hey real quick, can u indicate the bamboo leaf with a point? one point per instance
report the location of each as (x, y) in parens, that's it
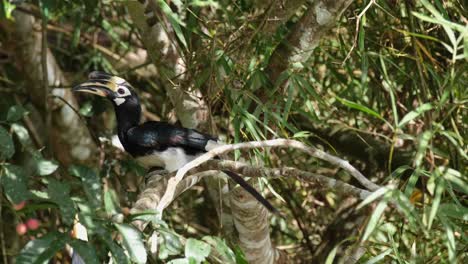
(415, 113)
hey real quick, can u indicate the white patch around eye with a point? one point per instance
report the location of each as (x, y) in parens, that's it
(119, 100)
(125, 93)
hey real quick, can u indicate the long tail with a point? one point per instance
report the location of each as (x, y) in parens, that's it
(239, 180)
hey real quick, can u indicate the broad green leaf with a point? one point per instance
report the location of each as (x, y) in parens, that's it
(133, 242)
(197, 250)
(85, 250)
(415, 113)
(91, 183)
(46, 167)
(118, 254)
(23, 135)
(7, 148)
(15, 113)
(53, 248)
(222, 248)
(172, 243)
(59, 194)
(374, 219)
(34, 249)
(14, 181)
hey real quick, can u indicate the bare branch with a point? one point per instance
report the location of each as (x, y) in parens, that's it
(282, 143)
(158, 180)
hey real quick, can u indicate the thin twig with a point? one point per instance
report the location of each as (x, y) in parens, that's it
(282, 143)
(358, 22)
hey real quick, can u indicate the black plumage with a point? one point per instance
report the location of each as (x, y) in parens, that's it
(154, 144)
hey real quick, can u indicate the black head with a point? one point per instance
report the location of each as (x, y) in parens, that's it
(114, 88)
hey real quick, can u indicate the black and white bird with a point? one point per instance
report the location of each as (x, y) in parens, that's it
(154, 144)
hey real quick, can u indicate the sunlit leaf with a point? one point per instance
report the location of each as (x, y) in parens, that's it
(133, 242)
(46, 167)
(374, 196)
(14, 180)
(374, 219)
(379, 257)
(222, 248)
(34, 249)
(15, 113)
(415, 113)
(59, 193)
(197, 249)
(360, 107)
(91, 183)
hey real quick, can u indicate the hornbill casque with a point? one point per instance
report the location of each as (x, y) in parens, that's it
(155, 144)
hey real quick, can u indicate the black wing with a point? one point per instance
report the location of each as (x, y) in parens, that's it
(161, 135)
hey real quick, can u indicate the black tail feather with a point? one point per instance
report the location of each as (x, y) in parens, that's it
(239, 180)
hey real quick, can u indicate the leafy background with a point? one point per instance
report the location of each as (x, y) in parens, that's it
(385, 89)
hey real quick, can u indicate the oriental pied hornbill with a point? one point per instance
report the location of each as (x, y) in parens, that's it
(154, 144)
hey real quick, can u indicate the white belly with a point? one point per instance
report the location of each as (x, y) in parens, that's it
(171, 159)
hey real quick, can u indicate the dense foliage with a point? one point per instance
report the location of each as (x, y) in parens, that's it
(385, 88)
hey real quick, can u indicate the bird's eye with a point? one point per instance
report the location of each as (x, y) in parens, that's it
(121, 91)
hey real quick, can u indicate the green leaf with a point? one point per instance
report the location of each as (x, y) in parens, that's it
(118, 254)
(374, 196)
(379, 258)
(133, 243)
(53, 248)
(440, 188)
(15, 113)
(374, 219)
(7, 9)
(7, 148)
(91, 183)
(46, 167)
(34, 249)
(175, 21)
(423, 144)
(86, 109)
(85, 250)
(415, 113)
(222, 248)
(361, 108)
(179, 261)
(197, 250)
(111, 202)
(14, 183)
(454, 211)
(171, 241)
(23, 135)
(59, 194)
(240, 256)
